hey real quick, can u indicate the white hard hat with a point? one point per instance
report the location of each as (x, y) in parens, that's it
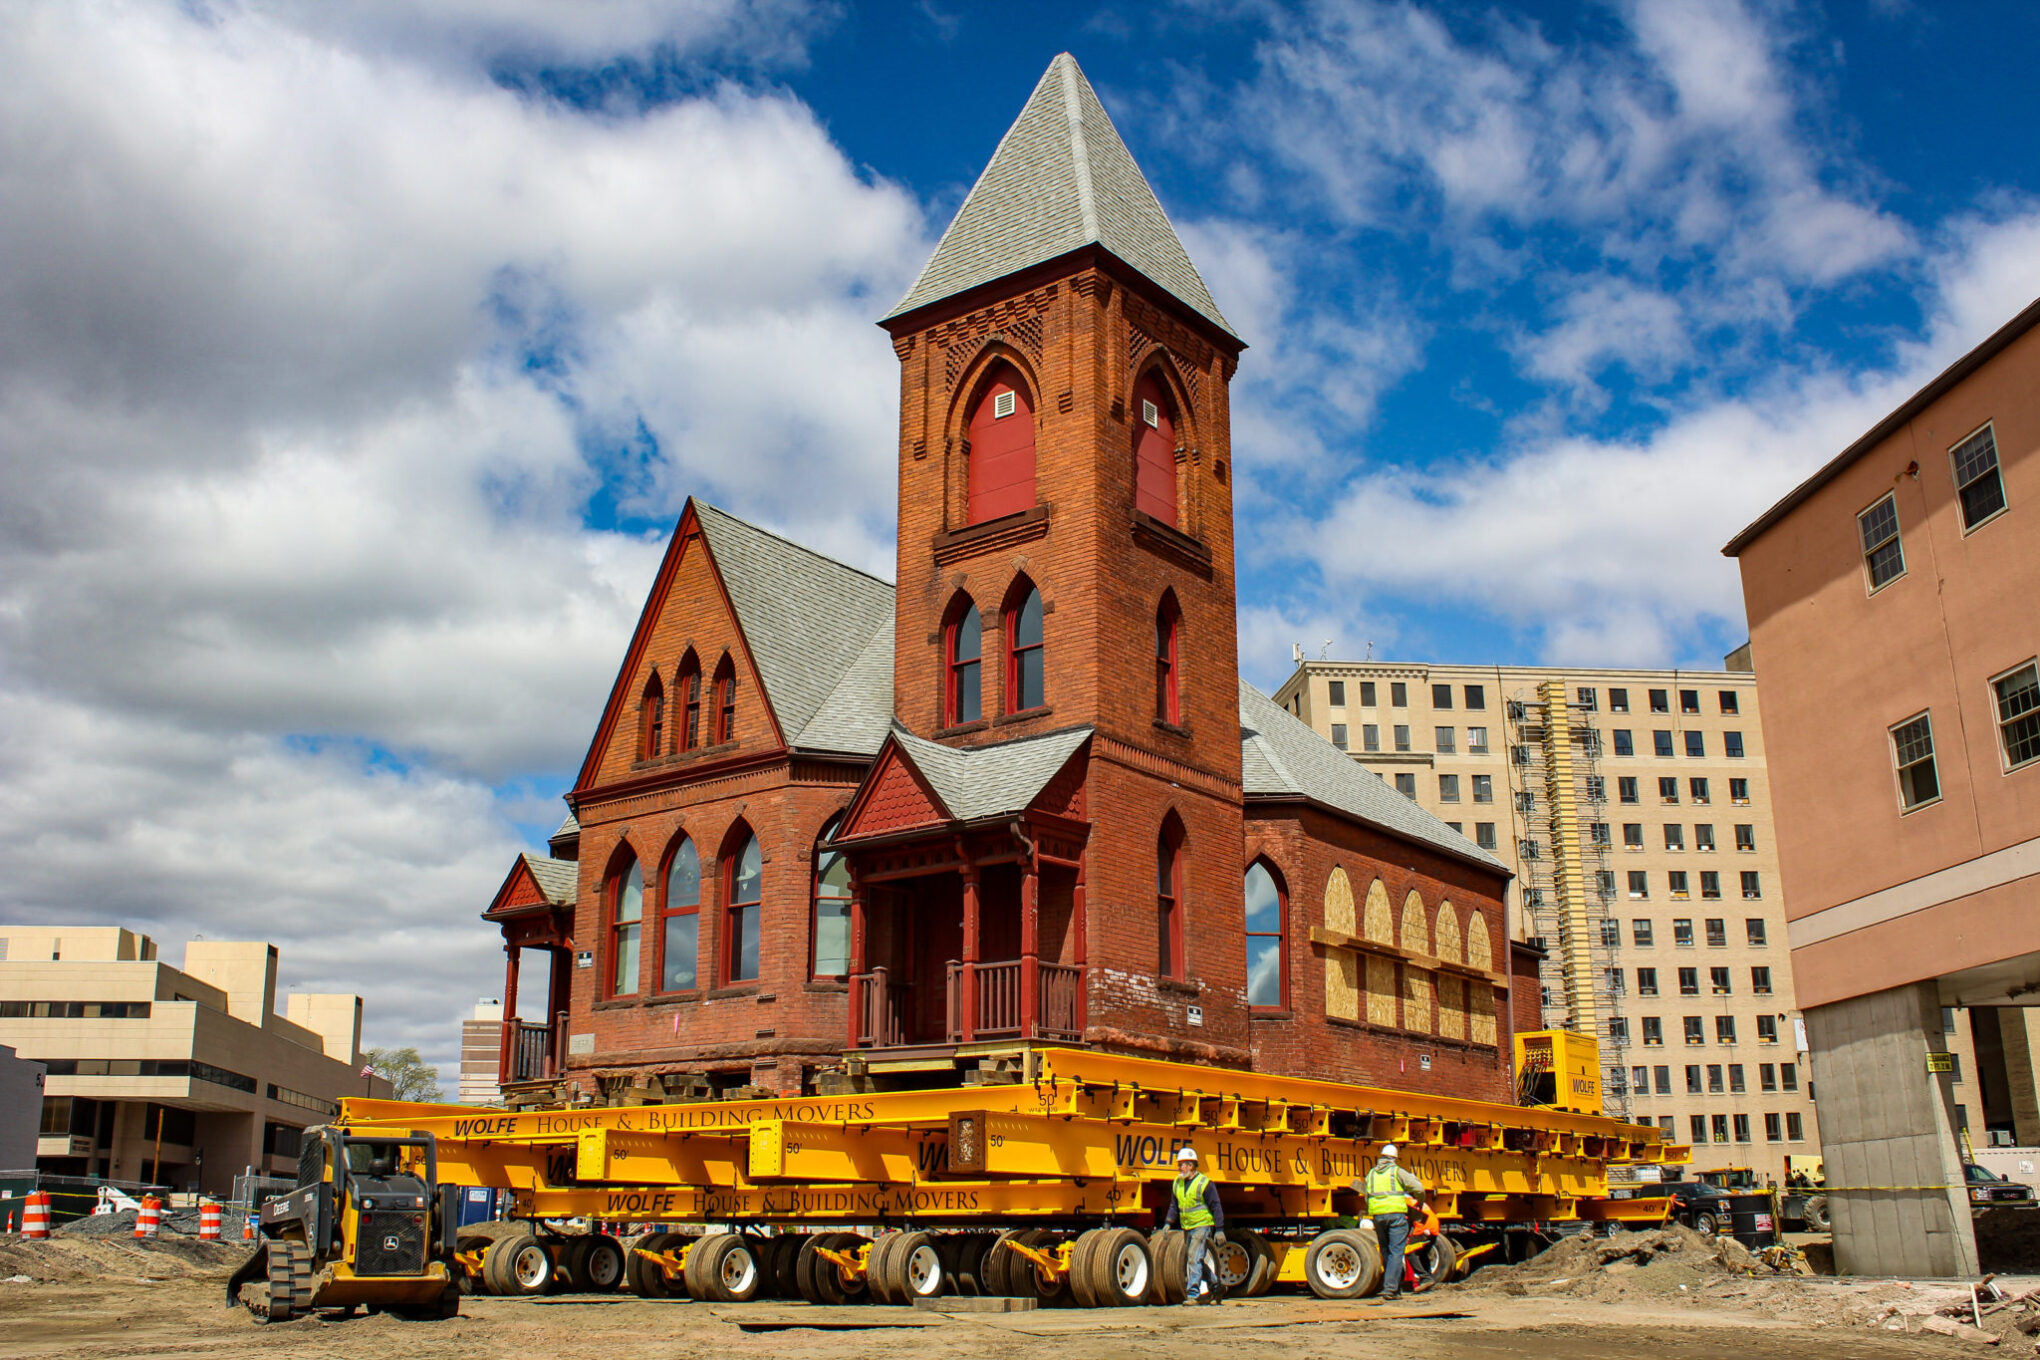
(1186, 1154)
(1388, 1151)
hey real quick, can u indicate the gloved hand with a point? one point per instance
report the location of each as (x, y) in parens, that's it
(1218, 1238)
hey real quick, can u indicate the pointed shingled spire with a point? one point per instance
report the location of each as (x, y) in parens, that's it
(1061, 179)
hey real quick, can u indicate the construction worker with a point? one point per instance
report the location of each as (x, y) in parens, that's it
(1391, 1193)
(1194, 1207)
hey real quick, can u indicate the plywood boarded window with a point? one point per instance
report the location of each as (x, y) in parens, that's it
(1446, 933)
(1451, 1006)
(1342, 966)
(1379, 924)
(1380, 990)
(1416, 999)
(1480, 996)
(1479, 953)
(1416, 929)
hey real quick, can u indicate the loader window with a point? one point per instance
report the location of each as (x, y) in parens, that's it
(311, 1164)
(375, 1160)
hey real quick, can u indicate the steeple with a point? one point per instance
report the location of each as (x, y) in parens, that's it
(1061, 179)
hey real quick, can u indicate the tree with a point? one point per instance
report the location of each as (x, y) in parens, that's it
(405, 1071)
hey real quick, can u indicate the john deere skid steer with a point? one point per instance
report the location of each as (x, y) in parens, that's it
(368, 1225)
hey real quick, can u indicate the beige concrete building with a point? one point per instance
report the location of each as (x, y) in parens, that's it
(481, 1053)
(1635, 809)
(1891, 608)
(176, 1076)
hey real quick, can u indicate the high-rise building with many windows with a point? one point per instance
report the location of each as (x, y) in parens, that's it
(1634, 810)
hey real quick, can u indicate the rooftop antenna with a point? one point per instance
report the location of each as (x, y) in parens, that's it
(1325, 650)
(1370, 652)
(1296, 652)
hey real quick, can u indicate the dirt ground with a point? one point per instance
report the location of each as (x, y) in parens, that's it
(108, 1298)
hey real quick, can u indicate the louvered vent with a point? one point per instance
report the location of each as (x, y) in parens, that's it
(1002, 405)
(1151, 413)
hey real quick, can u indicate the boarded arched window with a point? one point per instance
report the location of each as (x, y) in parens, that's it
(652, 719)
(1417, 980)
(963, 645)
(1416, 927)
(1154, 450)
(1342, 966)
(1480, 996)
(680, 921)
(1026, 662)
(1168, 622)
(1267, 969)
(1446, 933)
(1001, 431)
(689, 688)
(725, 700)
(1378, 924)
(1451, 987)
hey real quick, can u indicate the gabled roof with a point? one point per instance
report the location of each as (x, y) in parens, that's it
(1061, 179)
(975, 782)
(808, 620)
(558, 879)
(858, 711)
(1281, 757)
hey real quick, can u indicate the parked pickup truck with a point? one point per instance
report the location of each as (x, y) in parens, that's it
(1988, 1190)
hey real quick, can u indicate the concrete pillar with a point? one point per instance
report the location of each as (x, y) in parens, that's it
(2020, 1029)
(1888, 1134)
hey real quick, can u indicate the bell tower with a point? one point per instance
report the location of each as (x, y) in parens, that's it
(1066, 529)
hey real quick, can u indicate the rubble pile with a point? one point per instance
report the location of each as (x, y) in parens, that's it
(2008, 1240)
(174, 1223)
(71, 1257)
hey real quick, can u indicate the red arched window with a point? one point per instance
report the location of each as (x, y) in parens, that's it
(1025, 666)
(1001, 447)
(1168, 622)
(1267, 963)
(725, 700)
(963, 646)
(1154, 450)
(690, 701)
(1169, 898)
(832, 910)
(680, 921)
(626, 924)
(652, 719)
(743, 890)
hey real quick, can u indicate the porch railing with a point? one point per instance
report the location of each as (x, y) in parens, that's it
(881, 1009)
(1001, 1001)
(1062, 1002)
(530, 1051)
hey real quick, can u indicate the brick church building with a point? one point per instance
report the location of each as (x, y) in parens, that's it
(834, 833)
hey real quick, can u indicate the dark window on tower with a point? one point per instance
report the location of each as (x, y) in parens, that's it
(1024, 663)
(652, 720)
(1476, 697)
(725, 700)
(1335, 693)
(1441, 696)
(1169, 899)
(1978, 483)
(690, 699)
(1168, 703)
(964, 643)
(1154, 450)
(1002, 447)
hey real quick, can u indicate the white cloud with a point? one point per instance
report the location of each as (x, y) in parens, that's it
(315, 346)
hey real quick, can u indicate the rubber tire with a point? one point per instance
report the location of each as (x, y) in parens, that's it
(1252, 1264)
(602, 1267)
(1261, 1279)
(1435, 1267)
(501, 1267)
(645, 1279)
(1166, 1247)
(821, 1282)
(782, 1258)
(1364, 1283)
(1817, 1219)
(1706, 1223)
(471, 1283)
(1113, 1253)
(925, 1246)
(715, 1259)
(992, 1273)
(878, 1269)
(1080, 1267)
(1022, 1280)
(573, 1265)
(964, 1261)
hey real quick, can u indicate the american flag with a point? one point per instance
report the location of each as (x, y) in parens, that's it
(367, 1071)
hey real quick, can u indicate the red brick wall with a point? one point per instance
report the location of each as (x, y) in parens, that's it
(1305, 845)
(1526, 990)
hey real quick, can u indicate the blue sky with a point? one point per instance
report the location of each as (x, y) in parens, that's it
(355, 360)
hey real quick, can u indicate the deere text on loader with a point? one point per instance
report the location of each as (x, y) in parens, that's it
(367, 1224)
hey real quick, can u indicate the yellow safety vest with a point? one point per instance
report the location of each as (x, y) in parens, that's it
(1385, 1194)
(1191, 1211)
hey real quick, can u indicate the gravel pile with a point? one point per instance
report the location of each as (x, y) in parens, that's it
(174, 1223)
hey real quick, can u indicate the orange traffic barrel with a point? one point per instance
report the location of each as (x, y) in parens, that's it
(208, 1222)
(248, 1228)
(149, 1216)
(35, 1215)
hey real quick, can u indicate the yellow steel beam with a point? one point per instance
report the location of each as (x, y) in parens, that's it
(958, 1201)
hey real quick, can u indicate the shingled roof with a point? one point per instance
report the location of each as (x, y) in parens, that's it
(820, 633)
(987, 781)
(1281, 757)
(558, 879)
(1061, 179)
